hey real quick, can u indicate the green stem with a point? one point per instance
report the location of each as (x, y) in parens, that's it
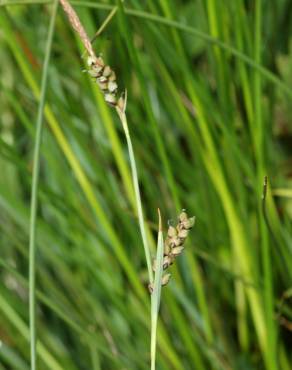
(104, 24)
(34, 192)
(123, 119)
(156, 294)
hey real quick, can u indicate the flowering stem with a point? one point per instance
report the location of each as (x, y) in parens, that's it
(123, 119)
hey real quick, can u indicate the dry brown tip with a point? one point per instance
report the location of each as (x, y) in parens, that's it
(159, 220)
(76, 24)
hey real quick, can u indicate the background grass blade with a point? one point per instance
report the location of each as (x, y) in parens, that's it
(34, 192)
(156, 294)
(209, 114)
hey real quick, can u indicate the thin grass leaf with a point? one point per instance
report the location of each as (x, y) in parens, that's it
(285, 193)
(34, 192)
(156, 294)
(9, 312)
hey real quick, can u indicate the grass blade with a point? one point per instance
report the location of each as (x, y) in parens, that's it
(12, 316)
(34, 192)
(155, 297)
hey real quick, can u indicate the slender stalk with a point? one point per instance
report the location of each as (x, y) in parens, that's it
(155, 296)
(123, 119)
(34, 193)
(104, 24)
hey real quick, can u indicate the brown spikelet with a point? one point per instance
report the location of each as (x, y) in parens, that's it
(76, 24)
(173, 245)
(101, 73)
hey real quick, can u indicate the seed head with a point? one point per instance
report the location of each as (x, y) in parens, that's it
(174, 243)
(96, 65)
(105, 78)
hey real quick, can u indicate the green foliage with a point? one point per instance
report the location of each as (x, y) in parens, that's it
(209, 112)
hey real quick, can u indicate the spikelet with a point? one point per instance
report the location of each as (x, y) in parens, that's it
(105, 78)
(98, 70)
(176, 237)
(174, 244)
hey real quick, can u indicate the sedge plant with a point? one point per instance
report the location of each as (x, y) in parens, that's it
(166, 253)
(222, 128)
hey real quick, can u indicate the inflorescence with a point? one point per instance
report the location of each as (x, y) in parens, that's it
(105, 77)
(174, 244)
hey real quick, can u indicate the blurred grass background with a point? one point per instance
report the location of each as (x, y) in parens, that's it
(209, 109)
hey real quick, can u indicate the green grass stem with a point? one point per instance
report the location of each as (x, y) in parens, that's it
(155, 296)
(147, 252)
